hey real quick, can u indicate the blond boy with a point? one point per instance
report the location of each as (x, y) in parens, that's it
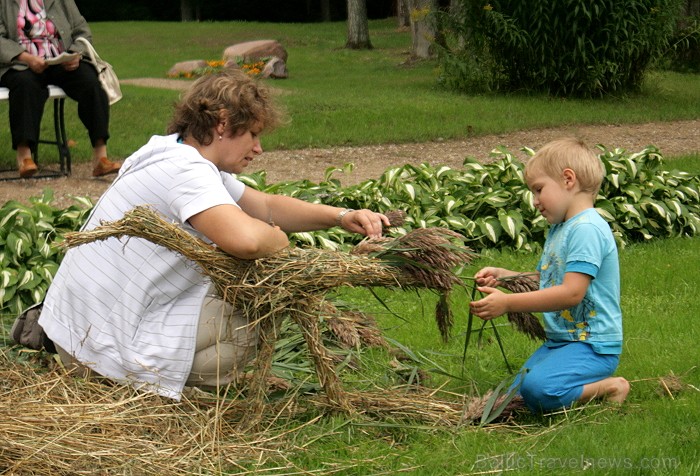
(579, 293)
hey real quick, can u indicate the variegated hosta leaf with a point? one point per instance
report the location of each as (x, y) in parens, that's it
(456, 223)
(305, 237)
(8, 277)
(38, 294)
(18, 243)
(327, 243)
(410, 190)
(442, 171)
(249, 181)
(691, 191)
(9, 217)
(386, 202)
(631, 209)
(47, 270)
(28, 279)
(491, 228)
(658, 208)
(507, 223)
(450, 203)
(631, 167)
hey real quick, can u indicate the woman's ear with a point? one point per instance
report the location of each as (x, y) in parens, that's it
(221, 126)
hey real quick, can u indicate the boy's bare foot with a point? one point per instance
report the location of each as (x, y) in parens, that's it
(619, 388)
(612, 389)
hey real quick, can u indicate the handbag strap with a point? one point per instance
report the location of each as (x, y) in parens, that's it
(94, 57)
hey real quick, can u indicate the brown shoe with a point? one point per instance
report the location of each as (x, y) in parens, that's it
(105, 167)
(27, 168)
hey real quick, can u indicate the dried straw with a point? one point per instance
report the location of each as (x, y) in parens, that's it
(293, 282)
(51, 423)
(525, 322)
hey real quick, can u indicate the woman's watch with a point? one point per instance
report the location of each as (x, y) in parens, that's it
(339, 218)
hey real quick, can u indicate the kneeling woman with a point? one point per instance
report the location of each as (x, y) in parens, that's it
(137, 312)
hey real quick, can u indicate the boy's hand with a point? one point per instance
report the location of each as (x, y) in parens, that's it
(488, 276)
(493, 305)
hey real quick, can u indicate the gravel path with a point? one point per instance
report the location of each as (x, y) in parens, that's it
(672, 138)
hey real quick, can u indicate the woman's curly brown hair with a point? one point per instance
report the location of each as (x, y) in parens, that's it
(231, 97)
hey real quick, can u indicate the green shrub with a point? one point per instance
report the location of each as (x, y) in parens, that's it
(572, 48)
(684, 50)
(492, 207)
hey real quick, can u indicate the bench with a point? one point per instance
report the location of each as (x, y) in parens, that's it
(59, 125)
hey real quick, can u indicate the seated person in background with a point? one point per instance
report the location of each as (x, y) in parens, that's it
(31, 33)
(579, 293)
(139, 313)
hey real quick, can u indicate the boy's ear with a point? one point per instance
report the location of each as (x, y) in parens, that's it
(569, 177)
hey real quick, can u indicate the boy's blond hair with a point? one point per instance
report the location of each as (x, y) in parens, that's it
(568, 153)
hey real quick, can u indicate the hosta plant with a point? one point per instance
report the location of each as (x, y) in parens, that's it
(29, 251)
(490, 204)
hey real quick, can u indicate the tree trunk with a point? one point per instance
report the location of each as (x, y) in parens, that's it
(423, 31)
(403, 14)
(325, 10)
(186, 10)
(358, 26)
(190, 10)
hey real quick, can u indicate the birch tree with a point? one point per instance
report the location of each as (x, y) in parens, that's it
(358, 26)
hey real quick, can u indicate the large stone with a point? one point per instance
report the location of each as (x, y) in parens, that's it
(184, 67)
(255, 50)
(275, 68)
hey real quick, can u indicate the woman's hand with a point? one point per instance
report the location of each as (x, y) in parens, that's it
(72, 65)
(35, 63)
(365, 222)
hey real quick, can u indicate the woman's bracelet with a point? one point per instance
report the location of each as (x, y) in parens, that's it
(339, 218)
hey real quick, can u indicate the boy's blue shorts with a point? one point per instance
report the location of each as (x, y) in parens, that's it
(556, 375)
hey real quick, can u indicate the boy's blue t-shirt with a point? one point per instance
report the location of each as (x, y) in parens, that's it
(584, 244)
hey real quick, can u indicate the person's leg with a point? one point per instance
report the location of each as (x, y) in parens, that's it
(557, 380)
(612, 389)
(532, 361)
(83, 86)
(28, 95)
(73, 366)
(225, 344)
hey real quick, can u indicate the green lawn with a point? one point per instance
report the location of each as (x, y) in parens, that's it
(335, 96)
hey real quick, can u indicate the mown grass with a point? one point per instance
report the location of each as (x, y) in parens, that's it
(335, 96)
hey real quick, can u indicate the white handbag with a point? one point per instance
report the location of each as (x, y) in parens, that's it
(105, 73)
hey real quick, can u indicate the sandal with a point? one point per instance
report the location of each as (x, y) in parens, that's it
(105, 167)
(28, 168)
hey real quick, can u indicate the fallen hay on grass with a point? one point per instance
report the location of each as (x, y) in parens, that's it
(54, 423)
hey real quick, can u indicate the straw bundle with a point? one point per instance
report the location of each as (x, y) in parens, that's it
(525, 322)
(424, 407)
(293, 281)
